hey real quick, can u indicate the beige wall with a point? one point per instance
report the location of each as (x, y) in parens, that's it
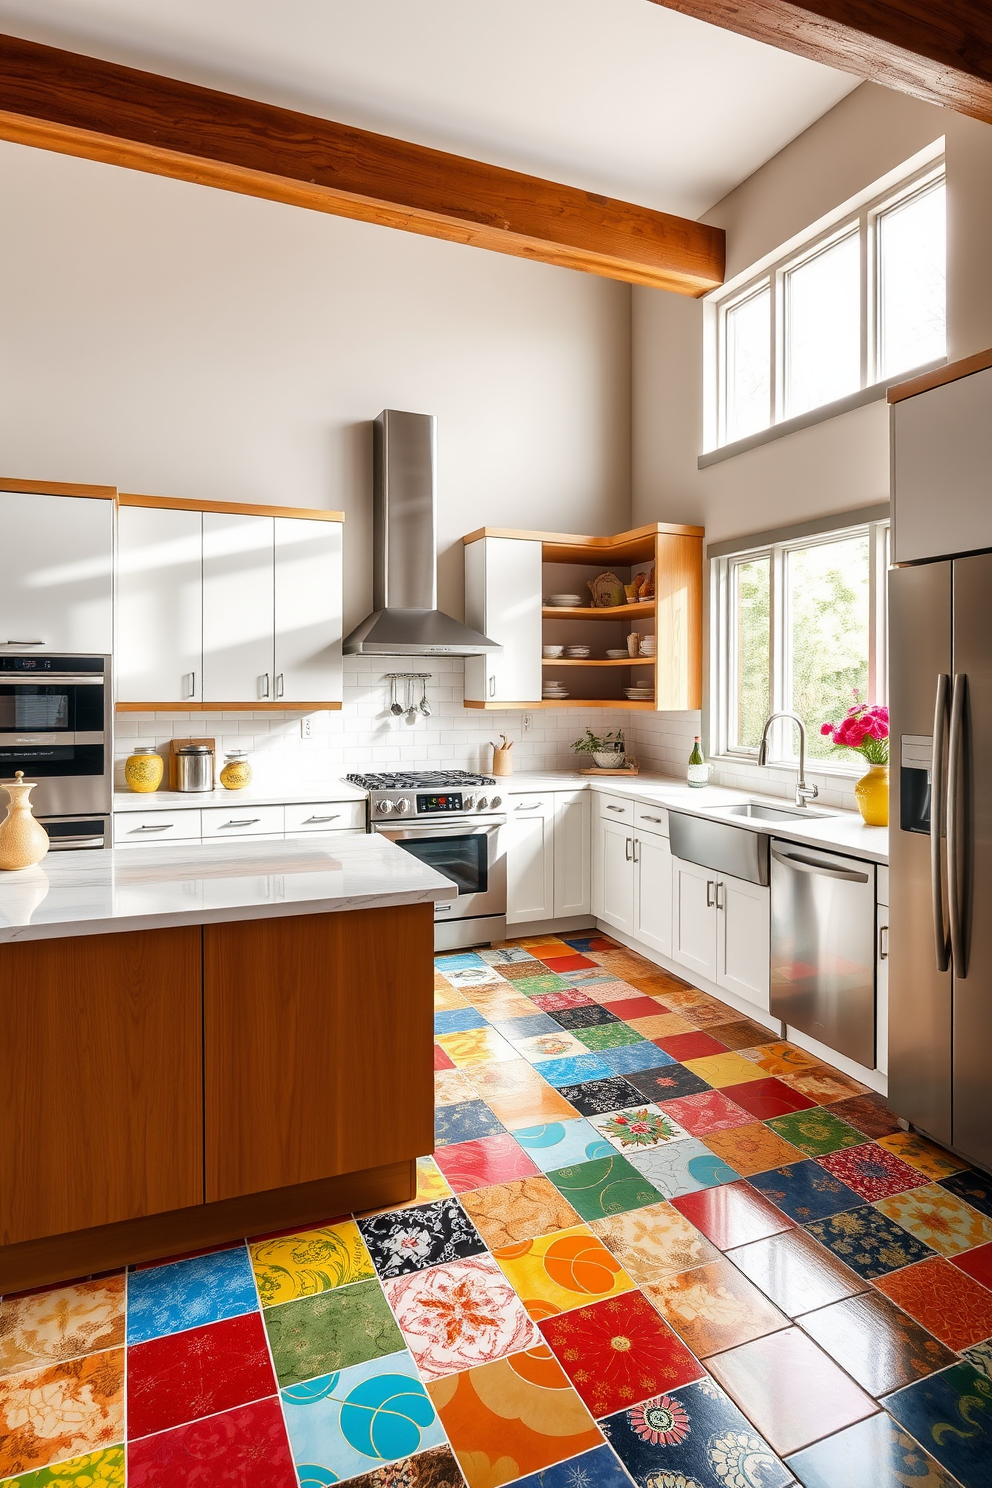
(841, 463)
(170, 338)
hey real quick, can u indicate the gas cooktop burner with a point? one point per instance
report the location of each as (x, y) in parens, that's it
(420, 780)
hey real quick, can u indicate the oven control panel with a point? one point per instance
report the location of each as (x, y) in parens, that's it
(450, 801)
(437, 803)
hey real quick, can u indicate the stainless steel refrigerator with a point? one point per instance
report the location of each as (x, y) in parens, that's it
(940, 956)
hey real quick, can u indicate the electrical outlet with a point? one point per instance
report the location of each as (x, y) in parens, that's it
(527, 722)
(306, 727)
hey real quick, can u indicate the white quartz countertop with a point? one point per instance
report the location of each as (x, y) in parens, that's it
(166, 800)
(838, 831)
(91, 893)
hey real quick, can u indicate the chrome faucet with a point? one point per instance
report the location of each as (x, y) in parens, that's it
(804, 792)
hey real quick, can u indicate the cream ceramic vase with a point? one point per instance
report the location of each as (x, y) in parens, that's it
(23, 841)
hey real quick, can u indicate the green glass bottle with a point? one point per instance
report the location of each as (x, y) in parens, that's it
(698, 773)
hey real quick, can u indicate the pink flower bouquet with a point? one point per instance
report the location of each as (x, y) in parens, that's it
(865, 727)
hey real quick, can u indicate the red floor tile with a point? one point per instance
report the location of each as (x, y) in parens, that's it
(683, 1046)
(184, 1376)
(619, 1351)
(575, 962)
(767, 1098)
(636, 1007)
(709, 1111)
(872, 1172)
(732, 1214)
(555, 1002)
(946, 1300)
(441, 1060)
(977, 1264)
(487, 1161)
(245, 1448)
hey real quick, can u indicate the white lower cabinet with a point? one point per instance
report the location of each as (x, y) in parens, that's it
(530, 858)
(882, 972)
(720, 928)
(653, 891)
(632, 880)
(573, 859)
(613, 874)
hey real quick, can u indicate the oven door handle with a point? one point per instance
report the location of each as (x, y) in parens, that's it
(474, 829)
(57, 679)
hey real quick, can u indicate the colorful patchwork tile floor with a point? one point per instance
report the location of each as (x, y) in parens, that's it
(655, 1245)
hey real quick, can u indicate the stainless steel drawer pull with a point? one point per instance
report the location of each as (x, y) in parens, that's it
(883, 942)
(249, 821)
(710, 886)
(654, 818)
(616, 808)
(809, 865)
(321, 818)
(26, 643)
(721, 895)
(627, 847)
(157, 827)
(529, 805)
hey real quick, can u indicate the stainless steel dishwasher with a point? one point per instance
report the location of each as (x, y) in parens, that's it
(823, 947)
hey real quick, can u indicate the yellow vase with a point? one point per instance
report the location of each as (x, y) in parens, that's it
(23, 841)
(144, 770)
(872, 792)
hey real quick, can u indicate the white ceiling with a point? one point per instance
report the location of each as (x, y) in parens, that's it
(617, 96)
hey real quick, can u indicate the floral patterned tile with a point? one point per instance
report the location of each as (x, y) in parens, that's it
(565, 1001)
(871, 1171)
(618, 1352)
(457, 1316)
(547, 981)
(877, 1452)
(563, 1073)
(587, 1015)
(480, 1046)
(780, 1058)
(693, 1437)
(632, 1059)
(561, 1044)
(186, 1294)
(980, 1354)
(607, 992)
(61, 1323)
(502, 1002)
(356, 1419)
(513, 1417)
(682, 1167)
(767, 1098)
(104, 1469)
(950, 1414)
(464, 1122)
(725, 1069)
(555, 1273)
(869, 1242)
(321, 1334)
(709, 1111)
(185, 1376)
(972, 1186)
(458, 1020)
(713, 1015)
(524, 971)
(638, 1129)
(467, 978)
(470, 1165)
(654, 1242)
(594, 1097)
(244, 1448)
(752, 1149)
(612, 1035)
(436, 1467)
(714, 1307)
(667, 1082)
(947, 1301)
(876, 1342)
(822, 1084)
(803, 1191)
(741, 1033)
(452, 1088)
(940, 1219)
(510, 1213)
(556, 1144)
(816, 1132)
(867, 1113)
(508, 952)
(430, 1186)
(596, 1469)
(919, 1153)
(60, 1411)
(405, 1240)
(609, 1185)
(308, 1262)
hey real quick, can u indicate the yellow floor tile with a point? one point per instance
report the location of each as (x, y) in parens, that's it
(556, 1273)
(940, 1219)
(663, 1025)
(725, 1069)
(925, 1156)
(451, 1088)
(478, 1046)
(310, 1261)
(446, 998)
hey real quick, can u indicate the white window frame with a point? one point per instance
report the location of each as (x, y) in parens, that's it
(864, 221)
(783, 737)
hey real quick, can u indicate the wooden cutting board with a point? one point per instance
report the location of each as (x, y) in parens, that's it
(174, 747)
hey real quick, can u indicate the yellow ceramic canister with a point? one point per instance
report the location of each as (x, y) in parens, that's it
(144, 769)
(236, 773)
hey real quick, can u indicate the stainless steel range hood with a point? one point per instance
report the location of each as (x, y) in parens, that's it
(405, 619)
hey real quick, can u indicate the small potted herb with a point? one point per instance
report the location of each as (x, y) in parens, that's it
(609, 752)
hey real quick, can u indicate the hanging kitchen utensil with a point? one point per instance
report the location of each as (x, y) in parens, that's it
(394, 706)
(425, 706)
(411, 707)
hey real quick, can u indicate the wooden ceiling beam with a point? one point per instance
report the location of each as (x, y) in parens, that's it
(937, 50)
(84, 106)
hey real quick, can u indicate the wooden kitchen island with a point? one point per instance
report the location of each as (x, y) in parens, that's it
(198, 1044)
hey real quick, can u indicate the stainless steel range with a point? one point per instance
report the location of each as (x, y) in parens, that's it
(455, 823)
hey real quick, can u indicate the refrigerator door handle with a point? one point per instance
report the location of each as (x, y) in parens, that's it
(942, 943)
(955, 770)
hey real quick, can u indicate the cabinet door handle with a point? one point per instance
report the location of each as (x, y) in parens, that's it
(311, 819)
(637, 855)
(709, 893)
(25, 643)
(263, 685)
(621, 809)
(158, 827)
(190, 681)
(492, 685)
(657, 819)
(249, 821)
(529, 805)
(721, 895)
(280, 689)
(628, 843)
(883, 942)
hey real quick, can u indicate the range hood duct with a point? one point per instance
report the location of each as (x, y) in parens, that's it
(405, 619)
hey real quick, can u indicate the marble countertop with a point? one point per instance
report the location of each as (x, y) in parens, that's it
(166, 800)
(840, 831)
(91, 893)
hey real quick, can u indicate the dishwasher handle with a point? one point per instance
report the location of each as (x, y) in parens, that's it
(809, 865)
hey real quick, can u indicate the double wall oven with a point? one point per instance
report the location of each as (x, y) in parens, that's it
(455, 823)
(56, 716)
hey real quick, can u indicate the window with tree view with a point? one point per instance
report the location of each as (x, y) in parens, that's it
(800, 628)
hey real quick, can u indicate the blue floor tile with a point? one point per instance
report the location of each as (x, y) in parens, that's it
(464, 1122)
(574, 1071)
(187, 1294)
(951, 1415)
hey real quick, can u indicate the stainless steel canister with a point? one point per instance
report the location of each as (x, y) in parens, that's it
(194, 768)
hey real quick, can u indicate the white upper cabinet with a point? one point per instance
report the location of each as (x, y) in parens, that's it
(942, 470)
(159, 605)
(307, 664)
(238, 607)
(503, 601)
(56, 572)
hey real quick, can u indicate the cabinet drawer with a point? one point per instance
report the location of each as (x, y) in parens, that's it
(536, 803)
(325, 816)
(615, 808)
(242, 821)
(142, 828)
(651, 818)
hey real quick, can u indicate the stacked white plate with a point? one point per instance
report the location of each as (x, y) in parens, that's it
(649, 645)
(565, 601)
(620, 654)
(640, 694)
(553, 690)
(577, 653)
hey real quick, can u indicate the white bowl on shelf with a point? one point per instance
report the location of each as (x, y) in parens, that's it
(551, 652)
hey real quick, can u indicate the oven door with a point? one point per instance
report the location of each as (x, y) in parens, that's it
(54, 728)
(472, 854)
